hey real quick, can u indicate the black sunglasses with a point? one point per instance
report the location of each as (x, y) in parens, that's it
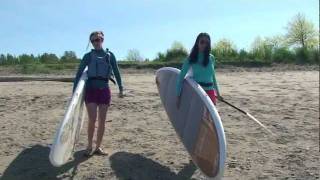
(204, 42)
(97, 40)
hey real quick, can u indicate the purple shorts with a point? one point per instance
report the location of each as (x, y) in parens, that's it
(98, 96)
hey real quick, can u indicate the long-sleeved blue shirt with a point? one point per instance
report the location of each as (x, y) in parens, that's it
(96, 83)
(201, 74)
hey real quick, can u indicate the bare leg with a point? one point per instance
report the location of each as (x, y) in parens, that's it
(92, 114)
(102, 121)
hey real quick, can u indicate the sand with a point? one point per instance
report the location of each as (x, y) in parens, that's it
(142, 142)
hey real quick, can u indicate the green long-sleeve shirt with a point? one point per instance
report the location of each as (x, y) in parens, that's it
(203, 74)
(95, 83)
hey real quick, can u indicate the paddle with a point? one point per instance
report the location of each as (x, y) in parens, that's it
(246, 113)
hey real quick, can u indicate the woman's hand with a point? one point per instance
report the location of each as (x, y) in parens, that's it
(220, 98)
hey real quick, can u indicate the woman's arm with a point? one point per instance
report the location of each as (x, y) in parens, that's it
(82, 66)
(184, 71)
(215, 83)
(116, 71)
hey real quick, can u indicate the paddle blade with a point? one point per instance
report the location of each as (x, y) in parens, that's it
(263, 126)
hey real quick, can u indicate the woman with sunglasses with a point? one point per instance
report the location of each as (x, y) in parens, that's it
(202, 64)
(97, 93)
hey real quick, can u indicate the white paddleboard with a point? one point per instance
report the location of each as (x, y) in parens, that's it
(196, 121)
(69, 129)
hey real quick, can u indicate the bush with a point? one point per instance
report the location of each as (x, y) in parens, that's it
(176, 53)
(283, 55)
(150, 65)
(248, 63)
(314, 56)
(34, 68)
(302, 56)
(243, 55)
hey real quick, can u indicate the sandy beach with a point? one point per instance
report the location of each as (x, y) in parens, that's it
(142, 142)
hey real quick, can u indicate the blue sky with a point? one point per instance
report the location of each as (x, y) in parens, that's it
(150, 26)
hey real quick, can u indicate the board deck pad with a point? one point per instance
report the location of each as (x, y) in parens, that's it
(196, 121)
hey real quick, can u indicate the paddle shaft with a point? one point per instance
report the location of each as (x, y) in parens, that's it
(249, 115)
(233, 106)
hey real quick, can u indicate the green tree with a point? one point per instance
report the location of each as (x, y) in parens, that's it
(178, 45)
(160, 57)
(301, 32)
(48, 58)
(243, 55)
(11, 59)
(277, 41)
(69, 56)
(3, 59)
(26, 59)
(225, 49)
(261, 49)
(177, 52)
(134, 55)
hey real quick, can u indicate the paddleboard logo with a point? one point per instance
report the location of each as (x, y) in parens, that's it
(210, 159)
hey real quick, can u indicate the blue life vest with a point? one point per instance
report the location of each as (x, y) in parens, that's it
(99, 67)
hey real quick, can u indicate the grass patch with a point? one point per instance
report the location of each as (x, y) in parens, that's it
(39, 68)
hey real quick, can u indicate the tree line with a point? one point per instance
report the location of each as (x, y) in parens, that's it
(300, 44)
(46, 58)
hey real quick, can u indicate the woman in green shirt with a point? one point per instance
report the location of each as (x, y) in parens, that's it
(201, 62)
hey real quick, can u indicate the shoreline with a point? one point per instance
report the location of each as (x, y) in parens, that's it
(10, 71)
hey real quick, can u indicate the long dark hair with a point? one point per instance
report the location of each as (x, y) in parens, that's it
(193, 57)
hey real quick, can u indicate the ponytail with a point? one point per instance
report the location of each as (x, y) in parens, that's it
(94, 33)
